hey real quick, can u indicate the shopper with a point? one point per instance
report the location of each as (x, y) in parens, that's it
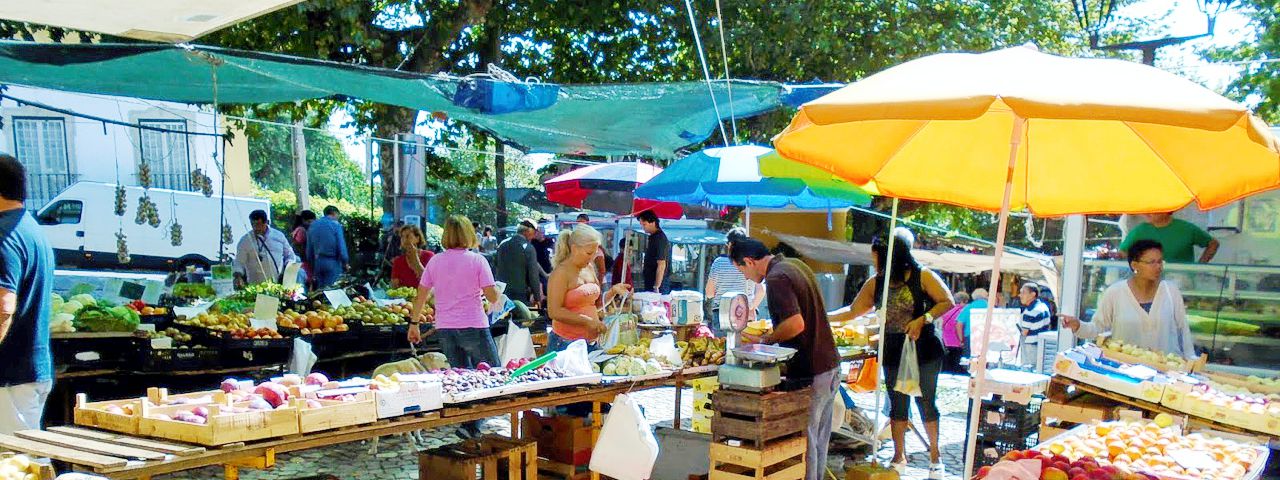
(799, 322)
(26, 281)
(327, 249)
(1143, 311)
(1177, 237)
(516, 264)
(488, 242)
(573, 291)
(406, 269)
(301, 222)
(978, 303)
(1035, 319)
(953, 336)
(543, 247)
(262, 253)
(459, 278)
(916, 297)
(657, 254)
(725, 278)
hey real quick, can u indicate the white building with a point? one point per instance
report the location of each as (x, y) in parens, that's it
(59, 149)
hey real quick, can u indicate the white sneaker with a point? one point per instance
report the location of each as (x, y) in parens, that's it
(900, 467)
(936, 471)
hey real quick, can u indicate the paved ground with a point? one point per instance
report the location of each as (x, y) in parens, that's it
(396, 457)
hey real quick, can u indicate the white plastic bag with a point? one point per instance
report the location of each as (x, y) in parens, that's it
(516, 344)
(908, 381)
(665, 347)
(626, 449)
(303, 358)
(573, 359)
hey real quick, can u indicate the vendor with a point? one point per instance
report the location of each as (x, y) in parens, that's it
(406, 268)
(573, 290)
(1144, 310)
(1177, 237)
(916, 297)
(725, 278)
(262, 254)
(799, 322)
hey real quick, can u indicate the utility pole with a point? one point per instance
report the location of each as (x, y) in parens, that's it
(301, 181)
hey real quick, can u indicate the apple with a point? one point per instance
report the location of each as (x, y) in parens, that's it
(316, 378)
(1053, 473)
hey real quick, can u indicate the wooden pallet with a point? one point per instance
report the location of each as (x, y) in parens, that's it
(781, 460)
(461, 460)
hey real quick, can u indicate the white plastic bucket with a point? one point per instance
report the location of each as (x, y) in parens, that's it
(686, 307)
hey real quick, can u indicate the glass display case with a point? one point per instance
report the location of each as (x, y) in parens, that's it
(1233, 310)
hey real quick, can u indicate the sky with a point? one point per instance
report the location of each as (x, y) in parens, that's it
(1170, 18)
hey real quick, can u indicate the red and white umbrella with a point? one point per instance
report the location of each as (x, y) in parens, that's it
(609, 187)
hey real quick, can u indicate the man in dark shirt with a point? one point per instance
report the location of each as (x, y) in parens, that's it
(800, 322)
(543, 248)
(516, 264)
(26, 281)
(657, 254)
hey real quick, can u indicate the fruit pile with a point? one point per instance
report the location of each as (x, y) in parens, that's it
(758, 328)
(850, 336)
(1035, 465)
(19, 467)
(1236, 398)
(1154, 447)
(702, 351)
(461, 380)
(142, 308)
(223, 322)
(370, 313)
(177, 335)
(255, 333)
(407, 293)
(311, 322)
(1169, 361)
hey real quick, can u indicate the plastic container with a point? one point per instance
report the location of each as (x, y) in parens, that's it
(686, 307)
(644, 302)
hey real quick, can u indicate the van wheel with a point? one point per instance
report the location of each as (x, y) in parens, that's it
(197, 261)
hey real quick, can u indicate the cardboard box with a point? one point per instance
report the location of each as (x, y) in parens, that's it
(561, 438)
(700, 425)
(1086, 409)
(1012, 385)
(1148, 390)
(1047, 432)
(412, 397)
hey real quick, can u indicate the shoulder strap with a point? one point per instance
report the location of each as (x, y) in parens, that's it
(923, 302)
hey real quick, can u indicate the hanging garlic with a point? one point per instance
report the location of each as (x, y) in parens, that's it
(144, 174)
(122, 247)
(175, 234)
(121, 205)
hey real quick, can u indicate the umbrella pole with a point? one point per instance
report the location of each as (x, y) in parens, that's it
(880, 320)
(979, 374)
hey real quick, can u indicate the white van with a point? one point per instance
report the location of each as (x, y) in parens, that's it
(81, 225)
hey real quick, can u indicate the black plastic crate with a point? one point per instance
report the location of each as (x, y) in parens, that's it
(177, 359)
(990, 451)
(325, 344)
(1008, 421)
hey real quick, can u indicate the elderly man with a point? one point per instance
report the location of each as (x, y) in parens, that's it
(262, 253)
(517, 265)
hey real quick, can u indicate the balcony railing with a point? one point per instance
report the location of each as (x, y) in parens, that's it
(42, 187)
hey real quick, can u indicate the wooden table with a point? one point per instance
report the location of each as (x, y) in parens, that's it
(119, 456)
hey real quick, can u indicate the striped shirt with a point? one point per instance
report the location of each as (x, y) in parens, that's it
(729, 279)
(1035, 318)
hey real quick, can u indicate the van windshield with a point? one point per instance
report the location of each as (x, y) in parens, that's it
(62, 212)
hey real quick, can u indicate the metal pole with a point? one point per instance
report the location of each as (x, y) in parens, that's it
(1070, 289)
(980, 373)
(881, 317)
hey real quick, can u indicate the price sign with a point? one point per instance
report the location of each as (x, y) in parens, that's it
(290, 280)
(337, 298)
(265, 308)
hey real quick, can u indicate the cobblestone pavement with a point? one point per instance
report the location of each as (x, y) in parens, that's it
(396, 458)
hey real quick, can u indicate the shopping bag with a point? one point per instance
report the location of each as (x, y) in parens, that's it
(517, 344)
(908, 381)
(302, 358)
(867, 378)
(573, 360)
(626, 449)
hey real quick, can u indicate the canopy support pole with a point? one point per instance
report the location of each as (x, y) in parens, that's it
(880, 320)
(980, 372)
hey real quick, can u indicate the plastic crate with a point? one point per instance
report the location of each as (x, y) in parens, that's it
(1008, 421)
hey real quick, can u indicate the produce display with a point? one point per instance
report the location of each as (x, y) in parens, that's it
(758, 327)
(850, 335)
(1153, 447)
(175, 334)
(193, 291)
(19, 467)
(370, 313)
(704, 351)
(95, 318)
(1036, 465)
(461, 380)
(407, 293)
(250, 292)
(143, 309)
(311, 322)
(222, 322)
(1171, 361)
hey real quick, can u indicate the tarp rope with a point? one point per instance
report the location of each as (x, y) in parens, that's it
(706, 73)
(728, 81)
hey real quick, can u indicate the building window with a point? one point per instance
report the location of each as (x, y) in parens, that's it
(40, 143)
(166, 153)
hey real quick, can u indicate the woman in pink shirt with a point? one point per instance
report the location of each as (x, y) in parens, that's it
(459, 278)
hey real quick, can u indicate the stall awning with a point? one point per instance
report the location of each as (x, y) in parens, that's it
(154, 20)
(831, 251)
(648, 119)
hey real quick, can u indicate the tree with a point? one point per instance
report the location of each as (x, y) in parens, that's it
(1259, 83)
(332, 172)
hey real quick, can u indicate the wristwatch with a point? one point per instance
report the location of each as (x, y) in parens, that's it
(928, 317)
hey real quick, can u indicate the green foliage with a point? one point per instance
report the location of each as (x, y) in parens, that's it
(362, 227)
(1259, 83)
(331, 172)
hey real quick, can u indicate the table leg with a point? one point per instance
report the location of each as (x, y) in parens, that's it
(675, 423)
(515, 425)
(597, 420)
(230, 472)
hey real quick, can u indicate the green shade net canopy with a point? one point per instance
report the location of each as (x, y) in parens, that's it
(649, 119)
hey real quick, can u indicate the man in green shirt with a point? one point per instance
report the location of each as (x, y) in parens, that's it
(1178, 237)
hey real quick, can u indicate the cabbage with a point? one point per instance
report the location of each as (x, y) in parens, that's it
(56, 298)
(84, 299)
(71, 307)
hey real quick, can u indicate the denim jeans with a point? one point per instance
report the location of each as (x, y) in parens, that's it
(467, 347)
(821, 409)
(556, 343)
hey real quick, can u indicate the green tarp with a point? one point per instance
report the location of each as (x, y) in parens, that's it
(650, 119)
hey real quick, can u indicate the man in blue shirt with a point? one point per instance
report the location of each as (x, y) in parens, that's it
(326, 249)
(26, 281)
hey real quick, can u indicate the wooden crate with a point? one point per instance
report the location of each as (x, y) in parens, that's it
(460, 461)
(336, 413)
(44, 471)
(94, 414)
(761, 405)
(161, 397)
(758, 432)
(222, 428)
(782, 460)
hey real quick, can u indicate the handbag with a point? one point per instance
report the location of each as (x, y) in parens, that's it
(622, 325)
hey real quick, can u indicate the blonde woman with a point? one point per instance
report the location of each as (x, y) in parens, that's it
(573, 289)
(458, 277)
(406, 269)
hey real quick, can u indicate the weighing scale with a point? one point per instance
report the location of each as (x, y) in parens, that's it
(751, 368)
